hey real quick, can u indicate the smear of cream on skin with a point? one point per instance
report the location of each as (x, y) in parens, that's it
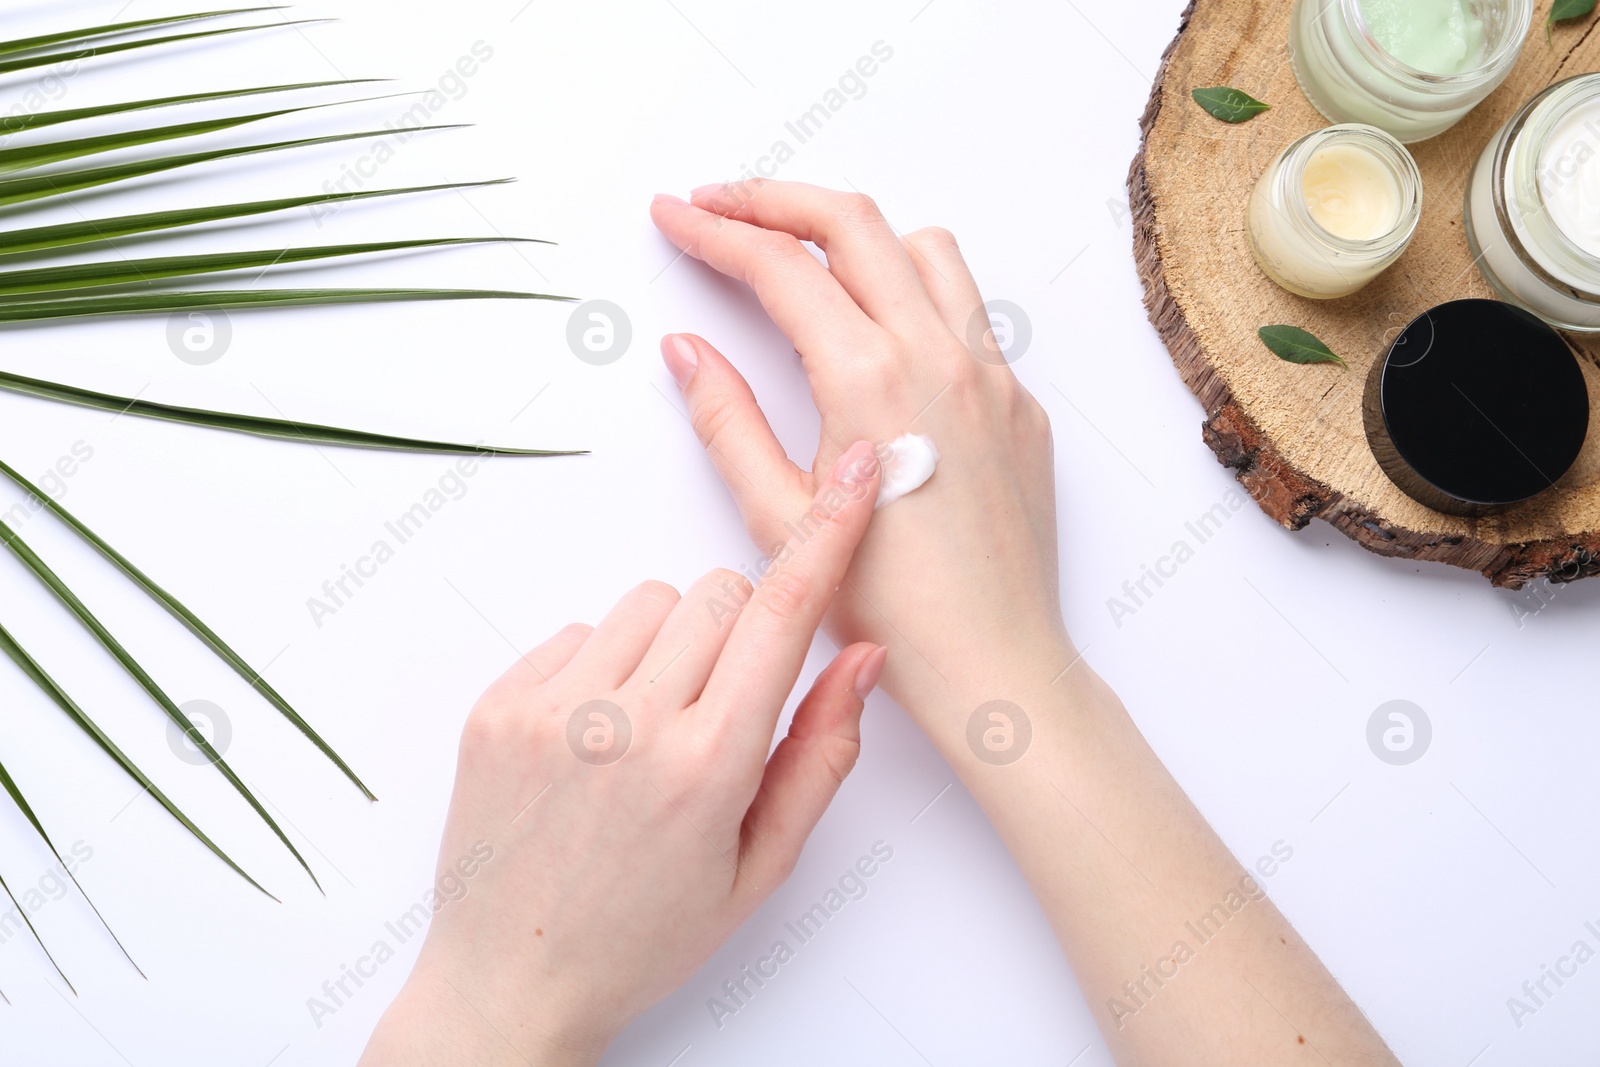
(908, 465)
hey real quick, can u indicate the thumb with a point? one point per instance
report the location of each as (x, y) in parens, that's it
(805, 771)
(765, 483)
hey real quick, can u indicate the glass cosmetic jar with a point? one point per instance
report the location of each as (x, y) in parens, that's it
(1533, 206)
(1349, 76)
(1334, 210)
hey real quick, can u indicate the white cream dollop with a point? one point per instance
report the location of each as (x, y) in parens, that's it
(909, 463)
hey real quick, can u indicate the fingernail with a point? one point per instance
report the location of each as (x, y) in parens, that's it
(868, 673)
(852, 456)
(668, 198)
(703, 191)
(681, 358)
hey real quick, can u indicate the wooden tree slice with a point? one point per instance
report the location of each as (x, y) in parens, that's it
(1294, 433)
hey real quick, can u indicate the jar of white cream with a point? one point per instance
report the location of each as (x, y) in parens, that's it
(1334, 210)
(1533, 206)
(1411, 67)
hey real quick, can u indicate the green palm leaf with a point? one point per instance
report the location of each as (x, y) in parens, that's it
(40, 155)
(16, 795)
(89, 51)
(237, 300)
(133, 271)
(59, 697)
(27, 44)
(65, 235)
(51, 581)
(40, 119)
(255, 425)
(21, 190)
(24, 913)
(188, 618)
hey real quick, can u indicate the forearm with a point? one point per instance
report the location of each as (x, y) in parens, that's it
(1179, 952)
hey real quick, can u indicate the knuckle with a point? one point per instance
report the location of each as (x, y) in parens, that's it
(654, 592)
(839, 755)
(934, 237)
(490, 728)
(724, 577)
(778, 250)
(788, 595)
(710, 419)
(576, 631)
(859, 208)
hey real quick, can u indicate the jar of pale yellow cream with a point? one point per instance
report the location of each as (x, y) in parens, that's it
(1334, 210)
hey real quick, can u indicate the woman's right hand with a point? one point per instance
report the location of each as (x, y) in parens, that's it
(960, 578)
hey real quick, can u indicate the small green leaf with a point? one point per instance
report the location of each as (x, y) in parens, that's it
(1229, 105)
(1296, 345)
(1562, 10)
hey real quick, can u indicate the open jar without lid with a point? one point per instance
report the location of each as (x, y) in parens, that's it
(1334, 210)
(1532, 210)
(1349, 76)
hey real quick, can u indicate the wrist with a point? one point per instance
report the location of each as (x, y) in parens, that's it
(447, 1018)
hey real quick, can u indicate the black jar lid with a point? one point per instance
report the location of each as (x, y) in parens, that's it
(1477, 405)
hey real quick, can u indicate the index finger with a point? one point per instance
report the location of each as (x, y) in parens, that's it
(801, 297)
(770, 638)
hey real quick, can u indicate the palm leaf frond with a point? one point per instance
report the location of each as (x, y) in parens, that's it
(41, 155)
(27, 810)
(255, 425)
(66, 235)
(189, 619)
(90, 622)
(28, 44)
(62, 700)
(21, 190)
(134, 271)
(20, 910)
(91, 50)
(40, 119)
(237, 300)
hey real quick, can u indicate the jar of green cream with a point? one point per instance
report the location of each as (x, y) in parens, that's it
(1410, 67)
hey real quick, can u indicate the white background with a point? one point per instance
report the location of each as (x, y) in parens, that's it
(1432, 890)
